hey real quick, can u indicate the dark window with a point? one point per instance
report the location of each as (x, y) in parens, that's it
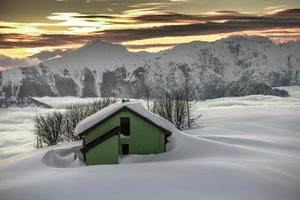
(125, 149)
(125, 126)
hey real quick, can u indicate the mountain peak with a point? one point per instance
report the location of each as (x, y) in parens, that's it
(96, 42)
(98, 45)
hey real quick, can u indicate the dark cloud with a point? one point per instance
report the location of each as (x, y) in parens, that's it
(93, 16)
(10, 36)
(18, 40)
(197, 25)
(288, 13)
(284, 16)
(165, 17)
(233, 23)
(6, 27)
(172, 17)
(228, 12)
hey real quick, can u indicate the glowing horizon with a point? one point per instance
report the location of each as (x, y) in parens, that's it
(142, 25)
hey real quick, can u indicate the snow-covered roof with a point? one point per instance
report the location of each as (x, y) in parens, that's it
(136, 106)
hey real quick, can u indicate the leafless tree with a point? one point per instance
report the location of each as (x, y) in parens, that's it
(173, 107)
(48, 128)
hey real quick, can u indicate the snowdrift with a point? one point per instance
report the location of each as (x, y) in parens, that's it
(195, 168)
(69, 157)
(245, 148)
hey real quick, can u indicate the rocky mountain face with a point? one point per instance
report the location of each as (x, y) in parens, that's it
(234, 66)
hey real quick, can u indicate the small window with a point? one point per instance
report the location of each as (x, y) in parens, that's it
(125, 149)
(125, 126)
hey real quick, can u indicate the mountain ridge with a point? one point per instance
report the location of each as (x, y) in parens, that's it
(233, 66)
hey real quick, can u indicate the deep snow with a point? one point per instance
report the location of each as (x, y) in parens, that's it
(244, 148)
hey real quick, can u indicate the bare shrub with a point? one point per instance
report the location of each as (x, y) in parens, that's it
(58, 127)
(48, 129)
(77, 112)
(72, 116)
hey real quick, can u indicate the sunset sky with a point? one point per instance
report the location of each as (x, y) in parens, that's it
(30, 26)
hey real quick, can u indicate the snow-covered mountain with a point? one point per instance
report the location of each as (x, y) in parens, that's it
(234, 66)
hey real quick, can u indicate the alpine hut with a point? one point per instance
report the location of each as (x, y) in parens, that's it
(121, 129)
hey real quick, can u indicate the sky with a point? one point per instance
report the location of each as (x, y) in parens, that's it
(28, 27)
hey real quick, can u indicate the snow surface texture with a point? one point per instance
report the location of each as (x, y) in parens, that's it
(136, 106)
(244, 148)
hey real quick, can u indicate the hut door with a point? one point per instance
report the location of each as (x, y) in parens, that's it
(125, 126)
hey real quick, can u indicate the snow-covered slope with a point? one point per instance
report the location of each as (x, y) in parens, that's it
(234, 66)
(238, 152)
(244, 148)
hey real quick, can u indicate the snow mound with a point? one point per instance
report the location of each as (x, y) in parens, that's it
(62, 158)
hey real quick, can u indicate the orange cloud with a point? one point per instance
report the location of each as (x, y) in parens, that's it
(144, 28)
